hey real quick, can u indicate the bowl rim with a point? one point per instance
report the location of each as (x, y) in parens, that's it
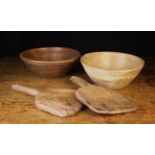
(78, 54)
(113, 70)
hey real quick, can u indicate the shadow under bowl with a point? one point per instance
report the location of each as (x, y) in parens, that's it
(112, 69)
(50, 62)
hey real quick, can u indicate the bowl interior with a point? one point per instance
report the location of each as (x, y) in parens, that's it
(112, 60)
(50, 54)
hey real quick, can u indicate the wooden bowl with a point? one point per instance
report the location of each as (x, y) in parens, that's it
(112, 69)
(50, 62)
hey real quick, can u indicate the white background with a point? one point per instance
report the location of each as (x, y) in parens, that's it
(98, 15)
(77, 15)
(77, 139)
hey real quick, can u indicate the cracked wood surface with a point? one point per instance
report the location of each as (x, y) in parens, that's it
(16, 108)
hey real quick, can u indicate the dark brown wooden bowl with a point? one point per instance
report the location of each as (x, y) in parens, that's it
(50, 62)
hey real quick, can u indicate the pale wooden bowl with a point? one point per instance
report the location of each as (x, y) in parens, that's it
(112, 69)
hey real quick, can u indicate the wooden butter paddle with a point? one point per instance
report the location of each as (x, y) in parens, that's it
(60, 102)
(101, 99)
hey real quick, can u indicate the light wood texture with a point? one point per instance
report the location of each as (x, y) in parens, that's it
(25, 90)
(51, 62)
(112, 69)
(59, 102)
(102, 100)
(19, 108)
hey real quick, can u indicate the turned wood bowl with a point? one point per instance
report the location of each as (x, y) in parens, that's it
(50, 62)
(112, 69)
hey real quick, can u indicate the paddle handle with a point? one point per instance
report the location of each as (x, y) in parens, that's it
(79, 81)
(25, 90)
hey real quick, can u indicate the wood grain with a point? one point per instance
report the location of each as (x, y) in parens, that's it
(102, 100)
(59, 102)
(19, 108)
(112, 69)
(52, 62)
